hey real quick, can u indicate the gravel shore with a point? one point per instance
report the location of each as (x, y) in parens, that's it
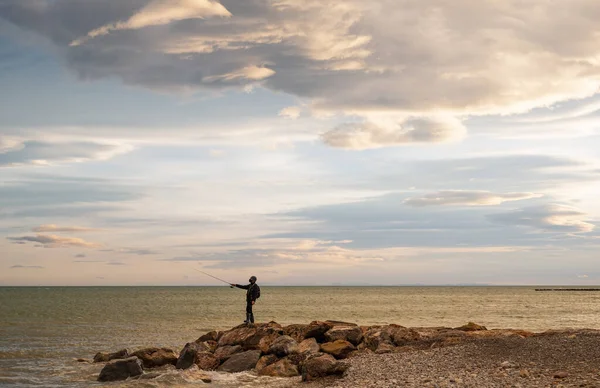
(561, 359)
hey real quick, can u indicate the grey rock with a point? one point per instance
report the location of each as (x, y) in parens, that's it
(241, 362)
(121, 369)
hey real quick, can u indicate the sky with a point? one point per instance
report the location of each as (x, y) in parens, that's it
(306, 142)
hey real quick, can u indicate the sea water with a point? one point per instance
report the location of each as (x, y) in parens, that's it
(44, 329)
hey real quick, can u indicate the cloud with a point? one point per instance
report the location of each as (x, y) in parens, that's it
(41, 153)
(550, 218)
(253, 73)
(89, 261)
(291, 112)
(468, 198)
(133, 251)
(352, 56)
(369, 135)
(80, 255)
(56, 228)
(26, 267)
(52, 241)
(115, 263)
(160, 12)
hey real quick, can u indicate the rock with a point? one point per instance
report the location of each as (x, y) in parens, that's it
(281, 368)
(524, 373)
(210, 346)
(105, 357)
(265, 342)
(507, 365)
(352, 334)
(241, 362)
(249, 337)
(471, 327)
(561, 374)
(317, 330)
(339, 349)
(224, 352)
(375, 336)
(340, 323)
(265, 361)
(298, 358)
(321, 365)
(82, 360)
(296, 331)
(384, 347)
(187, 356)
(283, 346)
(309, 345)
(154, 357)
(210, 336)
(401, 335)
(207, 361)
(121, 369)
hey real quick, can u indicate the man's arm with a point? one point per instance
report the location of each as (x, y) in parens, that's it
(241, 286)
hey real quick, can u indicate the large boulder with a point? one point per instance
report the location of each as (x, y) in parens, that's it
(338, 349)
(281, 368)
(187, 356)
(309, 345)
(402, 336)
(207, 361)
(241, 362)
(121, 369)
(321, 365)
(264, 344)
(249, 337)
(352, 334)
(105, 357)
(224, 352)
(155, 357)
(265, 361)
(393, 335)
(283, 346)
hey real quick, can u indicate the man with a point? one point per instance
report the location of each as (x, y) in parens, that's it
(252, 293)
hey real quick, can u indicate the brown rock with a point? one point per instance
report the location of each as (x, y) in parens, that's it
(207, 361)
(154, 357)
(236, 336)
(224, 352)
(561, 374)
(524, 373)
(384, 347)
(375, 337)
(298, 358)
(211, 346)
(105, 357)
(121, 369)
(210, 336)
(265, 342)
(471, 326)
(281, 368)
(352, 334)
(296, 331)
(187, 356)
(241, 362)
(283, 346)
(401, 335)
(265, 361)
(309, 345)
(321, 365)
(340, 323)
(339, 349)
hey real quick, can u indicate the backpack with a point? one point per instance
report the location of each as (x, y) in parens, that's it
(257, 291)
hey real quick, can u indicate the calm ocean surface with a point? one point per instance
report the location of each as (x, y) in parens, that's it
(42, 330)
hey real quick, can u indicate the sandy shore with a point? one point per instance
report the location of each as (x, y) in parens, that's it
(551, 359)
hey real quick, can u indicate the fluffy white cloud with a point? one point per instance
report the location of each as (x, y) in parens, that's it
(291, 112)
(551, 217)
(369, 135)
(468, 198)
(53, 241)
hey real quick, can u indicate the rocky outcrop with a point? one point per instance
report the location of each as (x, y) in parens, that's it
(207, 361)
(265, 361)
(471, 326)
(155, 357)
(241, 362)
(121, 369)
(339, 349)
(281, 368)
(105, 357)
(320, 365)
(187, 356)
(210, 336)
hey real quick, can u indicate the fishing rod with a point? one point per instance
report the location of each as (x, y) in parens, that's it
(214, 277)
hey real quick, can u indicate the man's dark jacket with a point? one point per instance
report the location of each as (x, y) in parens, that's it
(252, 291)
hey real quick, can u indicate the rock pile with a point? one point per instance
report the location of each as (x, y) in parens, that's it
(311, 350)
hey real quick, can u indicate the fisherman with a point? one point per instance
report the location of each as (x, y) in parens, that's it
(252, 293)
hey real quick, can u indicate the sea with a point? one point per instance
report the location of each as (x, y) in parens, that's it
(44, 330)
